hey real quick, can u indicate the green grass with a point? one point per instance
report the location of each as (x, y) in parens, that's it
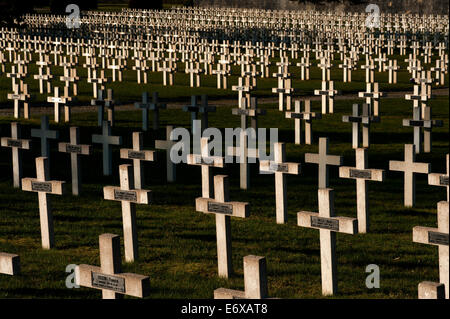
(178, 245)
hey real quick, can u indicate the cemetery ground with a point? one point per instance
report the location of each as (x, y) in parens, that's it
(177, 245)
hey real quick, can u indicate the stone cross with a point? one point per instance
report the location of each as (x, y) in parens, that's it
(304, 71)
(167, 145)
(107, 140)
(327, 96)
(306, 116)
(392, 68)
(416, 97)
(129, 197)
(206, 162)
(323, 160)
(57, 100)
(409, 167)
(109, 277)
(75, 149)
(255, 281)
(279, 167)
(372, 97)
(346, 67)
(97, 81)
(223, 209)
(365, 119)
(440, 179)
(146, 106)
(16, 144)
(438, 237)
(328, 225)
(9, 264)
(45, 134)
(100, 102)
(17, 96)
(362, 174)
(241, 88)
(43, 77)
(427, 124)
(44, 186)
(138, 154)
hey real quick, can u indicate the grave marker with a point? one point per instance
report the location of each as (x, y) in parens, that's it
(44, 186)
(223, 209)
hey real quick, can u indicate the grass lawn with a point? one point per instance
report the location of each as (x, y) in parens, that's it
(178, 245)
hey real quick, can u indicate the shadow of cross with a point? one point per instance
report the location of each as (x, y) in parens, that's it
(279, 167)
(107, 140)
(9, 264)
(255, 281)
(323, 160)
(129, 197)
(223, 209)
(362, 174)
(44, 186)
(109, 277)
(16, 144)
(328, 226)
(410, 168)
(206, 162)
(75, 149)
(438, 237)
(436, 179)
(138, 154)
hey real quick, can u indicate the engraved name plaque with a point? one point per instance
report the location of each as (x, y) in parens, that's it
(73, 149)
(415, 123)
(220, 208)
(274, 167)
(14, 143)
(325, 223)
(437, 238)
(356, 173)
(41, 187)
(129, 196)
(136, 155)
(108, 282)
(242, 112)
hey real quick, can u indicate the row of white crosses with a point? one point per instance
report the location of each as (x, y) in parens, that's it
(44, 186)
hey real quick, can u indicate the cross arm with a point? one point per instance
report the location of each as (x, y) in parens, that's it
(137, 196)
(286, 168)
(210, 206)
(49, 187)
(377, 175)
(141, 155)
(438, 179)
(429, 236)
(212, 161)
(135, 285)
(11, 142)
(345, 225)
(79, 149)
